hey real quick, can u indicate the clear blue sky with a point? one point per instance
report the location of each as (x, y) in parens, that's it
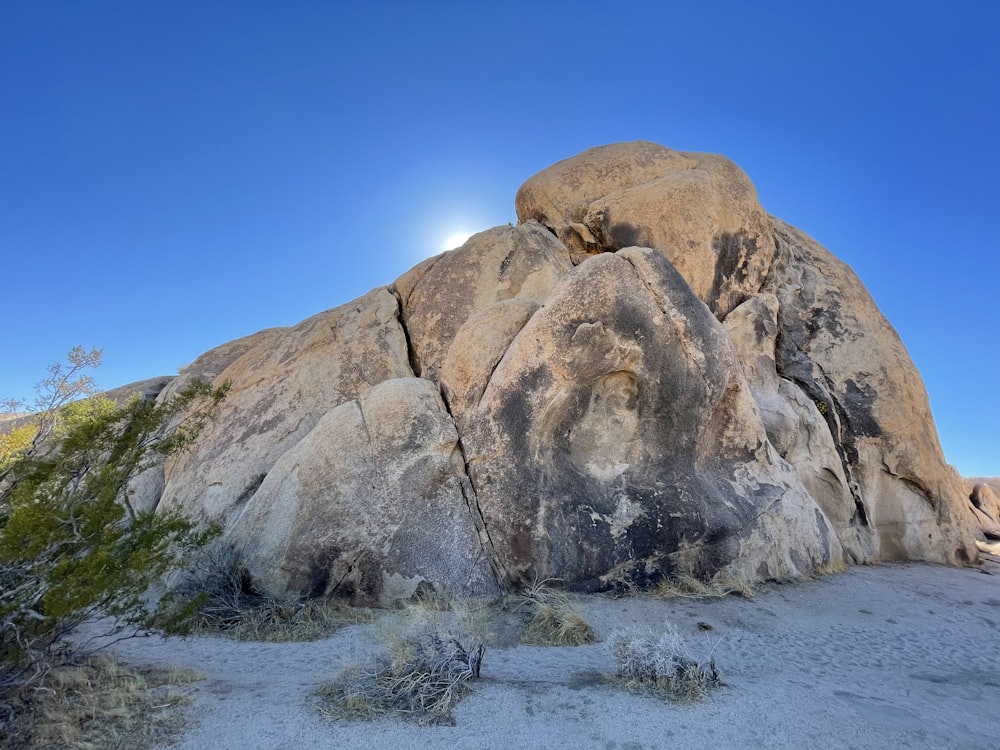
(174, 175)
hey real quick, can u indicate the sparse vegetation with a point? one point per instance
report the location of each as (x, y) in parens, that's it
(661, 664)
(72, 547)
(829, 569)
(689, 587)
(100, 703)
(230, 604)
(554, 621)
(421, 675)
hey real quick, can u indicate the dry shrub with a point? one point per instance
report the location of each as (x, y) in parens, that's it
(689, 587)
(231, 605)
(420, 677)
(101, 704)
(276, 621)
(661, 664)
(554, 621)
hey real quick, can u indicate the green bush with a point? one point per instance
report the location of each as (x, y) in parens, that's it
(72, 547)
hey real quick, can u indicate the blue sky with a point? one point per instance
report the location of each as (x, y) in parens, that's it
(176, 175)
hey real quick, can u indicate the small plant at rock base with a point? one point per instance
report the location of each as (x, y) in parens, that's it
(827, 569)
(554, 621)
(661, 664)
(229, 604)
(689, 587)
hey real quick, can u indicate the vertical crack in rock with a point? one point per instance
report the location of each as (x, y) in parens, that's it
(340, 581)
(839, 432)
(466, 485)
(402, 305)
(471, 498)
(496, 365)
(400, 318)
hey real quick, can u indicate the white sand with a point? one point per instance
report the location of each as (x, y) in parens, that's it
(896, 656)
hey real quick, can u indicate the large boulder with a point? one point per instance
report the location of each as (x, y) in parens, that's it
(649, 376)
(700, 210)
(984, 506)
(369, 505)
(283, 382)
(841, 352)
(499, 265)
(618, 443)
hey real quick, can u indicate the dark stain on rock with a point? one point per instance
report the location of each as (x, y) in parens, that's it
(732, 252)
(858, 402)
(824, 533)
(505, 265)
(250, 489)
(622, 235)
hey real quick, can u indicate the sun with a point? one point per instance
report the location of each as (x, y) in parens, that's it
(456, 239)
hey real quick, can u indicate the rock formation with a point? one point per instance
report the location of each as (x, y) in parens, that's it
(649, 376)
(985, 506)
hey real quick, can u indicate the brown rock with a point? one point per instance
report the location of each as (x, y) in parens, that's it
(283, 383)
(372, 503)
(986, 508)
(500, 264)
(700, 210)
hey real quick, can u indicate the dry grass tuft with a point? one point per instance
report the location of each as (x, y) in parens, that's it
(420, 677)
(661, 664)
(554, 621)
(278, 622)
(830, 569)
(100, 704)
(689, 587)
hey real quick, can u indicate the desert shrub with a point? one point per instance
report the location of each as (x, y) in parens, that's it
(553, 619)
(100, 703)
(72, 548)
(421, 676)
(230, 604)
(661, 664)
(277, 621)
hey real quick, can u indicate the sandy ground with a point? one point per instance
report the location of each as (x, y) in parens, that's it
(894, 656)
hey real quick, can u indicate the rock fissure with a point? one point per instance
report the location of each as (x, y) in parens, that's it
(471, 498)
(411, 355)
(347, 572)
(838, 424)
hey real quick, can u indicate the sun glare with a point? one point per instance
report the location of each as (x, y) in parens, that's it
(456, 239)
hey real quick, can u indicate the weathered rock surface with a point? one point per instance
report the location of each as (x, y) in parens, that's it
(700, 210)
(618, 442)
(647, 376)
(841, 352)
(393, 514)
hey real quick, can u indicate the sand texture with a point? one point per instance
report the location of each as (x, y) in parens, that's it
(894, 656)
